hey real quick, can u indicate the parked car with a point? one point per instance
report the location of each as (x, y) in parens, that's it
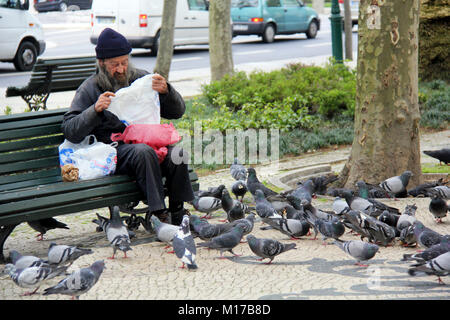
(354, 8)
(61, 5)
(140, 21)
(267, 18)
(21, 35)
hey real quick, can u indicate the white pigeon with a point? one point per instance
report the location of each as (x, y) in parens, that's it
(79, 282)
(32, 277)
(184, 245)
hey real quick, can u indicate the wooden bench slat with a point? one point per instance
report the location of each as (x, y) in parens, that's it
(31, 123)
(29, 184)
(31, 115)
(40, 142)
(30, 165)
(28, 176)
(30, 132)
(28, 155)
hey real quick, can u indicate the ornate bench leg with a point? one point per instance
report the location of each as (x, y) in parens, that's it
(5, 231)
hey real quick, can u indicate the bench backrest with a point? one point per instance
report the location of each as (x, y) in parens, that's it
(67, 73)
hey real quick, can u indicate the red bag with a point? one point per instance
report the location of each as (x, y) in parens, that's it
(157, 136)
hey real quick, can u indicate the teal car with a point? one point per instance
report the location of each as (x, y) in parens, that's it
(267, 18)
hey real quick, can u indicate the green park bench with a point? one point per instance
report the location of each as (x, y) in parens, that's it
(53, 75)
(31, 186)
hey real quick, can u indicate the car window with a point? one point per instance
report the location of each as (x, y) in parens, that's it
(199, 5)
(12, 4)
(244, 3)
(291, 3)
(273, 3)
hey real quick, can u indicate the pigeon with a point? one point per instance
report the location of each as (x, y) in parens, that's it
(215, 192)
(443, 155)
(254, 184)
(44, 225)
(422, 189)
(78, 282)
(354, 221)
(340, 205)
(264, 208)
(207, 204)
(338, 192)
(361, 204)
(21, 262)
(430, 253)
(63, 254)
(235, 209)
(439, 266)
(32, 277)
(292, 213)
(407, 218)
(116, 232)
(407, 236)
(196, 224)
(302, 195)
(238, 171)
(184, 245)
(321, 182)
(248, 223)
(291, 227)
(442, 191)
(379, 231)
(397, 185)
(239, 189)
(268, 248)
(425, 236)
(369, 191)
(438, 208)
(226, 241)
(360, 250)
(165, 232)
(329, 229)
(389, 218)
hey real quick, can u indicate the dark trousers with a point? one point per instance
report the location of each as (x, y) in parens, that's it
(141, 161)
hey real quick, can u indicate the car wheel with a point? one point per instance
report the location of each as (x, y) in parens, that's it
(73, 8)
(63, 7)
(311, 33)
(25, 57)
(155, 47)
(269, 33)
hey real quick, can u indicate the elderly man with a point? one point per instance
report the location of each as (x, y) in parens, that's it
(88, 114)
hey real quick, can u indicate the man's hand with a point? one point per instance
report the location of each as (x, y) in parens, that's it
(103, 101)
(159, 84)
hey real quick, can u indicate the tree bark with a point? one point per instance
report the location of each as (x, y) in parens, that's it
(348, 30)
(165, 50)
(386, 140)
(220, 53)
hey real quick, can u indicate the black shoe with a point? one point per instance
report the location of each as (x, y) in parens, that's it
(177, 217)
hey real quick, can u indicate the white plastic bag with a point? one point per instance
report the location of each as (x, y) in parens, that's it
(138, 103)
(93, 160)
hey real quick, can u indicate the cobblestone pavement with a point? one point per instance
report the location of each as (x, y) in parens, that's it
(312, 271)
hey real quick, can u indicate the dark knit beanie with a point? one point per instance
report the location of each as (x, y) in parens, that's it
(111, 44)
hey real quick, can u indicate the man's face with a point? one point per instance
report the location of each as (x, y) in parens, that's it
(117, 67)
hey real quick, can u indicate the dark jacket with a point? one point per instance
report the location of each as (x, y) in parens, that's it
(82, 120)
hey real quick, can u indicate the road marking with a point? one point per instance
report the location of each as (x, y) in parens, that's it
(186, 59)
(252, 52)
(323, 44)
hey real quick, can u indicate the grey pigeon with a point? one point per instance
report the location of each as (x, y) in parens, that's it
(422, 189)
(184, 245)
(443, 155)
(44, 225)
(292, 213)
(442, 191)
(211, 230)
(165, 232)
(235, 209)
(321, 182)
(196, 223)
(340, 205)
(32, 277)
(226, 241)
(238, 171)
(370, 191)
(431, 252)
(215, 192)
(329, 229)
(264, 208)
(291, 227)
(439, 266)
(378, 231)
(360, 250)
(207, 204)
(438, 208)
(268, 248)
(22, 262)
(116, 232)
(354, 221)
(79, 282)
(407, 218)
(397, 184)
(239, 189)
(254, 184)
(389, 218)
(248, 222)
(426, 237)
(63, 254)
(407, 237)
(302, 195)
(361, 204)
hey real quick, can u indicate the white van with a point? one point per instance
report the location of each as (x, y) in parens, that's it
(140, 21)
(21, 35)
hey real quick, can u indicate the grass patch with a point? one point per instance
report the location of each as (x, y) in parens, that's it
(428, 168)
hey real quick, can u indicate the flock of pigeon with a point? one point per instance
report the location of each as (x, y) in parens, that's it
(291, 213)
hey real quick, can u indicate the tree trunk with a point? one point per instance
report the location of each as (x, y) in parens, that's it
(165, 50)
(348, 30)
(220, 53)
(386, 139)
